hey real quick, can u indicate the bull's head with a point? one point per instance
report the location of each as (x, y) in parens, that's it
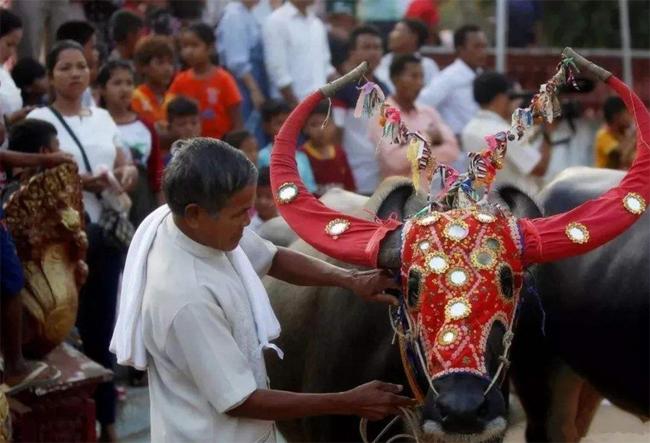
(461, 271)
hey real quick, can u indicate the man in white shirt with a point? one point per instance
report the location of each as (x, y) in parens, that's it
(450, 92)
(525, 164)
(204, 308)
(296, 51)
(407, 37)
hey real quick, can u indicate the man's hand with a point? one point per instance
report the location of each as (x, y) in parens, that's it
(370, 285)
(56, 158)
(95, 183)
(376, 400)
(127, 175)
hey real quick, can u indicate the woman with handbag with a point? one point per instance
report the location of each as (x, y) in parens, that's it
(91, 136)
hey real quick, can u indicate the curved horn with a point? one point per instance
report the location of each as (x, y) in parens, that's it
(597, 221)
(349, 239)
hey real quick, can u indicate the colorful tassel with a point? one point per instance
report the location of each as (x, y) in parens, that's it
(371, 97)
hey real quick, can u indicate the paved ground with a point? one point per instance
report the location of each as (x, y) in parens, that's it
(611, 425)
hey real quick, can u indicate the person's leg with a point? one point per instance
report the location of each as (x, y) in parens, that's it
(96, 318)
(31, 13)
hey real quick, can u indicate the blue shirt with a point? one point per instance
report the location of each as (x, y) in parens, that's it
(304, 167)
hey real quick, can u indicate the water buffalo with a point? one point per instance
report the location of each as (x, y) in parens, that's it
(461, 263)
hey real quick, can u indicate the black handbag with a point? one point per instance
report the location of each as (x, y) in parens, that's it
(116, 228)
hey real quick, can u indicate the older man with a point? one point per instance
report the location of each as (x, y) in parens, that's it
(205, 316)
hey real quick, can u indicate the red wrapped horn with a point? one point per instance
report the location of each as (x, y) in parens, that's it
(349, 239)
(597, 221)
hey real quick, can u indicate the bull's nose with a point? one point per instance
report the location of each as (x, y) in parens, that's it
(462, 417)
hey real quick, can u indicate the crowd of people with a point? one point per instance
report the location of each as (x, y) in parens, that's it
(117, 114)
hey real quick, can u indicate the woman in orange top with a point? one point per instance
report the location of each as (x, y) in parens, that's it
(214, 89)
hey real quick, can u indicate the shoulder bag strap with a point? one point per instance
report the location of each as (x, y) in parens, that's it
(74, 137)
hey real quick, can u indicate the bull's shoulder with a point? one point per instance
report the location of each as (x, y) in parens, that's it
(574, 186)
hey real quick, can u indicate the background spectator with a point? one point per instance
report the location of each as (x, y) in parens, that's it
(183, 121)
(327, 159)
(245, 142)
(274, 113)
(264, 201)
(97, 134)
(524, 23)
(383, 14)
(407, 37)
(450, 92)
(30, 77)
(525, 163)
(214, 89)
(115, 81)
(241, 51)
(364, 45)
(407, 75)
(341, 20)
(427, 11)
(615, 140)
(126, 28)
(296, 51)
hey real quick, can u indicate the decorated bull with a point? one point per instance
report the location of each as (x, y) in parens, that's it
(460, 260)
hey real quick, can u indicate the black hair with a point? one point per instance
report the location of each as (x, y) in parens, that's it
(76, 30)
(206, 172)
(151, 47)
(236, 138)
(9, 22)
(181, 107)
(488, 85)
(418, 28)
(264, 176)
(31, 135)
(203, 31)
(57, 49)
(612, 107)
(26, 71)
(399, 63)
(359, 31)
(106, 71)
(460, 35)
(272, 108)
(123, 23)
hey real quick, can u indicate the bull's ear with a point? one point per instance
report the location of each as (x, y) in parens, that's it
(519, 203)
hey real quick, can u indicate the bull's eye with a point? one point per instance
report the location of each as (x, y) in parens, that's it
(414, 286)
(506, 281)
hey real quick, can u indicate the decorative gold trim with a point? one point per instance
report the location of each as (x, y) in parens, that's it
(499, 244)
(484, 217)
(636, 197)
(440, 255)
(424, 246)
(283, 200)
(337, 227)
(457, 300)
(457, 269)
(573, 236)
(428, 219)
(448, 335)
(453, 223)
(478, 264)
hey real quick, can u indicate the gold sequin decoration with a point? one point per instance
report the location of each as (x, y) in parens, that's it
(456, 230)
(634, 203)
(457, 309)
(437, 262)
(483, 217)
(484, 258)
(448, 335)
(457, 277)
(493, 243)
(577, 233)
(287, 192)
(424, 246)
(428, 219)
(337, 227)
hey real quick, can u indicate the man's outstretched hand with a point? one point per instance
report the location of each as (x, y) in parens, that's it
(376, 400)
(371, 285)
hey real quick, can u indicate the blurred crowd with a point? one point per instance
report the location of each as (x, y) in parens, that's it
(112, 85)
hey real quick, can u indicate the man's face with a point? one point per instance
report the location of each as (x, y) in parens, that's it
(159, 71)
(409, 82)
(474, 51)
(367, 49)
(401, 39)
(272, 127)
(185, 127)
(224, 230)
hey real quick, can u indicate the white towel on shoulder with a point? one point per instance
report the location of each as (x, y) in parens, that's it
(128, 343)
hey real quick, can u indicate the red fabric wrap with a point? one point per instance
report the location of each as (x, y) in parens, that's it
(306, 215)
(545, 239)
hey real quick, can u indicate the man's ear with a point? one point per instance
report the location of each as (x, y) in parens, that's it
(192, 215)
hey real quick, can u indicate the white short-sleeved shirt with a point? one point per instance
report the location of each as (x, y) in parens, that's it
(521, 157)
(202, 347)
(11, 99)
(99, 136)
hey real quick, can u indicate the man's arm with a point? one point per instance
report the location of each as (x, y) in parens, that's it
(14, 159)
(374, 401)
(302, 270)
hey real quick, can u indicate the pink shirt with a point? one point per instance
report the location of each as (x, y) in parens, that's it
(392, 156)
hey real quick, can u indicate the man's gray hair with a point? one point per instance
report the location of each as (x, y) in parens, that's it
(206, 172)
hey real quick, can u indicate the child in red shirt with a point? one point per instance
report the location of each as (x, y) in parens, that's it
(328, 161)
(214, 89)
